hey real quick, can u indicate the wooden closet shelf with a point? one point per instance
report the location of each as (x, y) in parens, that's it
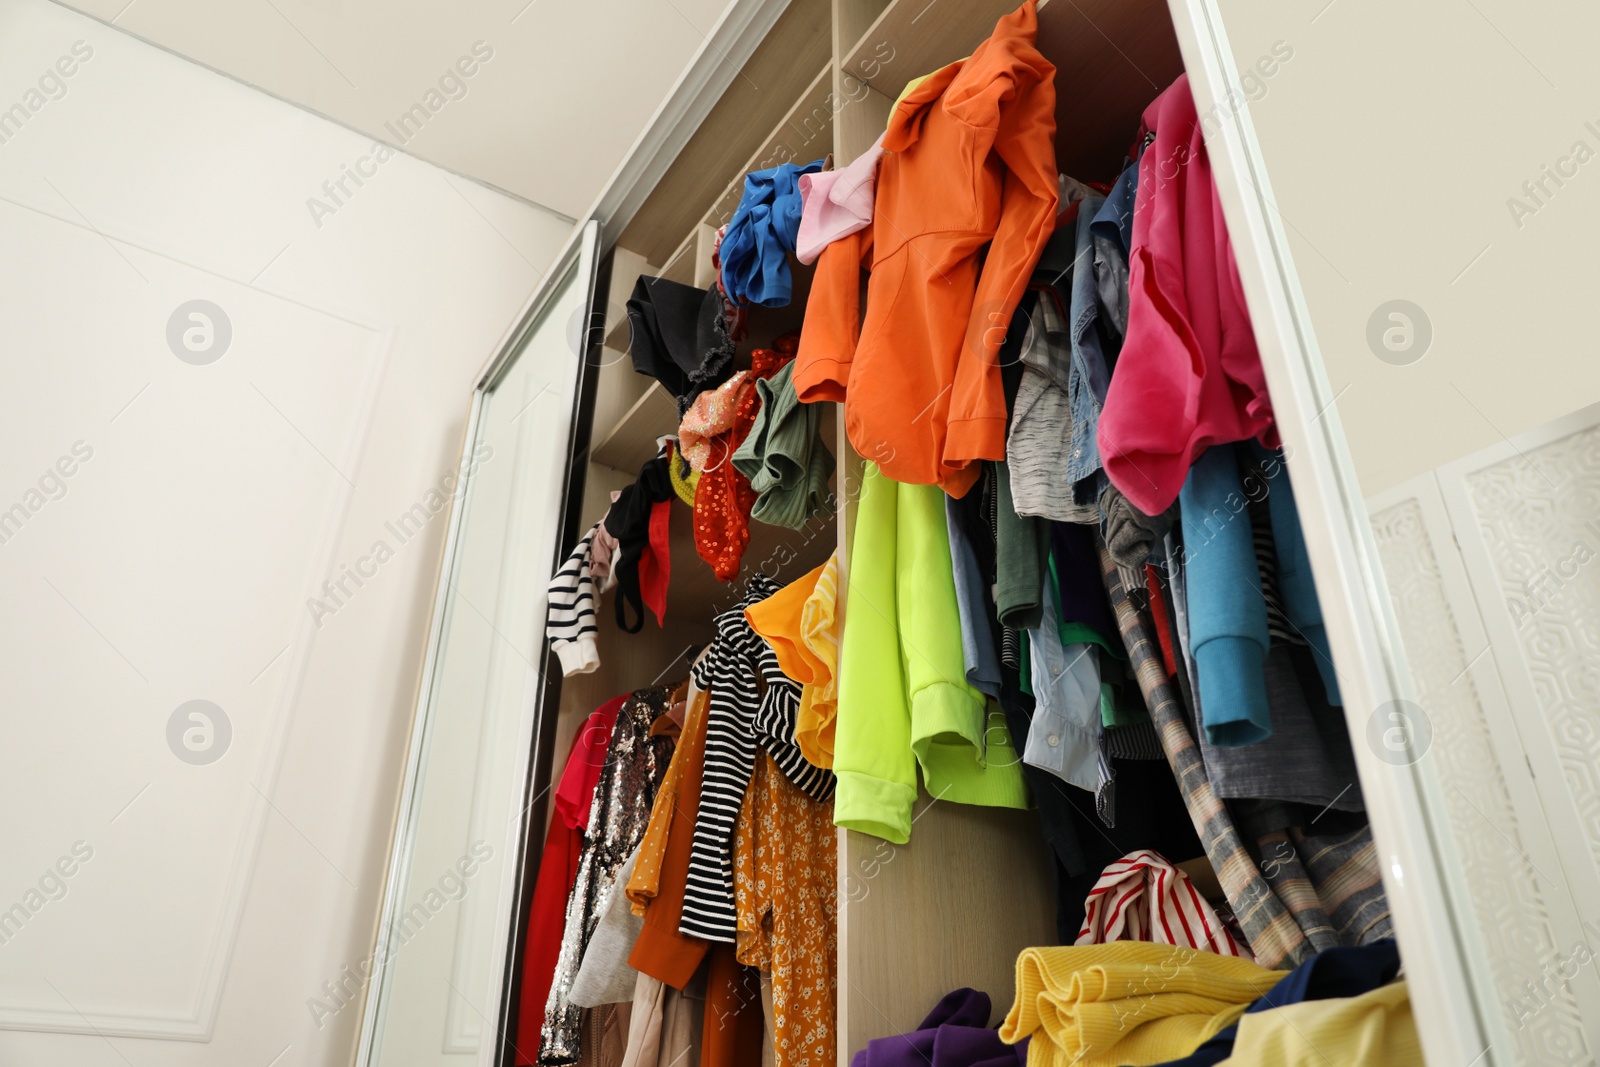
(916, 37)
(631, 443)
(803, 134)
(758, 97)
(1112, 58)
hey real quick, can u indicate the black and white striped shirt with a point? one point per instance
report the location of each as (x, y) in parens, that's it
(571, 624)
(740, 719)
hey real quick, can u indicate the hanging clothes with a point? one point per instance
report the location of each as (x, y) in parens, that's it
(973, 578)
(656, 888)
(785, 871)
(742, 718)
(1112, 233)
(702, 429)
(970, 162)
(799, 623)
(903, 698)
(1188, 375)
(1227, 614)
(723, 499)
(640, 528)
(784, 458)
(1064, 737)
(558, 871)
(1022, 549)
(755, 248)
(634, 763)
(604, 976)
(663, 1026)
(734, 1030)
(1132, 537)
(836, 203)
(1294, 576)
(1269, 925)
(571, 626)
(679, 336)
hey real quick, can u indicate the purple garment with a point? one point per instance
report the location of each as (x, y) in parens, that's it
(955, 1034)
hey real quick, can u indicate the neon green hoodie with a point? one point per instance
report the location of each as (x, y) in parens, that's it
(904, 700)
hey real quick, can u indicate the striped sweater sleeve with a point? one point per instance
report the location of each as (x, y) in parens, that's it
(571, 626)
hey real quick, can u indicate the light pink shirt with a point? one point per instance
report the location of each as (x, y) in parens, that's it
(836, 203)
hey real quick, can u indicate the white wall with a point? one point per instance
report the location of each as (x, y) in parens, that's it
(564, 91)
(176, 561)
(1398, 139)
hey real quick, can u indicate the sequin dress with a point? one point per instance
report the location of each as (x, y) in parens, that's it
(723, 500)
(635, 764)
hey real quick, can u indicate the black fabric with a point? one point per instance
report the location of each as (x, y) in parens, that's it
(1011, 367)
(680, 337)
(1149, 813)
(629, 522)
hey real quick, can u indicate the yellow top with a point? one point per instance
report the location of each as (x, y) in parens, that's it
(1128, 1003)
(1376, 1027)
(800, 624)
(682, 484)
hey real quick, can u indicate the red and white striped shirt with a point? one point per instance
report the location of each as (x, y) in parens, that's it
(1142, 897)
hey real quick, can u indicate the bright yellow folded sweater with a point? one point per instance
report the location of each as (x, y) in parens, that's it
(1375, 1027)
(1127, 1003)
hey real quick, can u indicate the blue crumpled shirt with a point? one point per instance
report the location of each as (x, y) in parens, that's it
(760, 236)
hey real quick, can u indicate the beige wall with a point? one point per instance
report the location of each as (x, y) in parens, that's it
(558, 90)
(1395, 137)
(176, 561)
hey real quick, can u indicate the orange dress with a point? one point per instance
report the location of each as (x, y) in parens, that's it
(655, 889)
(970, 162)
(785, 860)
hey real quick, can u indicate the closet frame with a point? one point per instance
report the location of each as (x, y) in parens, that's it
(793, 80)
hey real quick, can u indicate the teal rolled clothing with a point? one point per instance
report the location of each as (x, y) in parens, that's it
(1227, 612)
(784, 457)
(1299, 591)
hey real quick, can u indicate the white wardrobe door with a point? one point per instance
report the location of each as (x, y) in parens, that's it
(1527, 918)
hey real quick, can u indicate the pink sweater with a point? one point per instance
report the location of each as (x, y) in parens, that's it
(1189, 375)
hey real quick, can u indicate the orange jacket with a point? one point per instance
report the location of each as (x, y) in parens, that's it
(970, 161)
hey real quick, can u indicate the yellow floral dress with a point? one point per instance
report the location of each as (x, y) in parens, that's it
(784, 894)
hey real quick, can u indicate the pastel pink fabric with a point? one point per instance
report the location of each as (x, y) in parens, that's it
(836, 203)
(709, 415)
(1189, 375)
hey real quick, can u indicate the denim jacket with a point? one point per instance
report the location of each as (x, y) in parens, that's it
(1112, 232)
(1090, 376)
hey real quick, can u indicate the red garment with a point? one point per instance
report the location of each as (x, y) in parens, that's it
(655, 566)
(723, 499)
(970, 162)
(1188, 375)
(558, 866)
(1158, 613)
